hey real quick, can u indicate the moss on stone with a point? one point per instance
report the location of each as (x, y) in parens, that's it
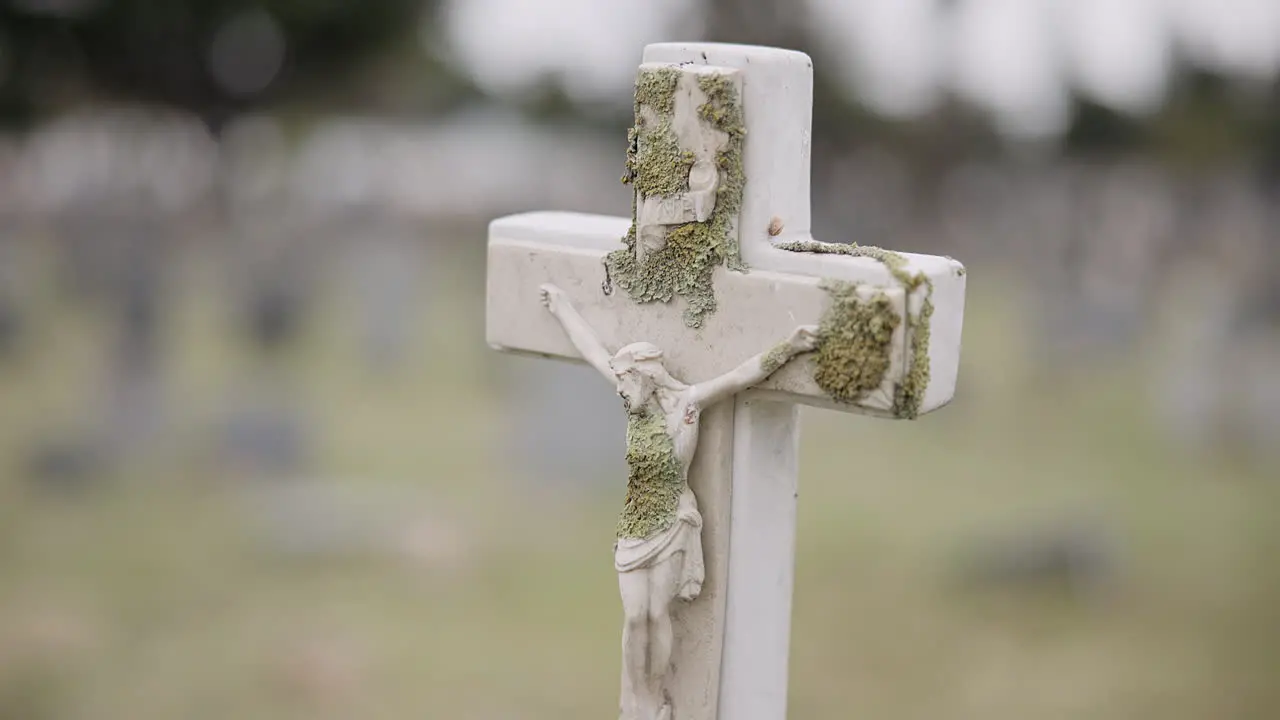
(656, 87)
(854, 336)
(683, 267)
(660, 166)
(654, 481)
(656, 165)
(908, 394)
(894, 262)
(723, 111)
(777, 356)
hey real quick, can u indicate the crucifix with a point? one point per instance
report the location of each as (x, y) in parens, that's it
(715, 314)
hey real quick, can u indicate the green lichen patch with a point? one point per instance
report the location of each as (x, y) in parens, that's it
(656, 87)
(894, 262)
(654, 481)
(777, 356)
(854, 338)
(683, 267)
(908, 394)
(655, 163)
(657, 166)
(724, 112)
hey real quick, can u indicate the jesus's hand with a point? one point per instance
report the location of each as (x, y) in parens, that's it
(551, 296)
(804, 339)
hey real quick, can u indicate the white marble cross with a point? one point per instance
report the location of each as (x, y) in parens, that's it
(902, 311)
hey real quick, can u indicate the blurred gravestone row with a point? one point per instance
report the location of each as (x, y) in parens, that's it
(1102, 249)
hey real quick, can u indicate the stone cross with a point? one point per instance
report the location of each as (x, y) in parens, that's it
(715, 266)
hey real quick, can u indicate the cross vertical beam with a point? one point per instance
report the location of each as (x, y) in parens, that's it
(762, 543)
(777, 94)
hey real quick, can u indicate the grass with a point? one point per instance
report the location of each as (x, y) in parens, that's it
(150, 598)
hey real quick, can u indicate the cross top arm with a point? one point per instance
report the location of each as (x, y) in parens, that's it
(717, 261)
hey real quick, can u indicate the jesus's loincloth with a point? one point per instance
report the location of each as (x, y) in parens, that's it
(683, 537)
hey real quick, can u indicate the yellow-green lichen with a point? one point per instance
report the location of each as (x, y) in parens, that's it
(854, 338)
(908, 394)
(662, 168)
(894, 262)
(656, 87)
(655, 162)
(724, 111)
(657, 166)
(777, 356)
(654, 480)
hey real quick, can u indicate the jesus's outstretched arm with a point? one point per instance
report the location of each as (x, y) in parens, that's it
(579, 332)
(755, 370)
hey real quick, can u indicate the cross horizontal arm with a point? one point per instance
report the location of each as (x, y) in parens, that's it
(756, 309)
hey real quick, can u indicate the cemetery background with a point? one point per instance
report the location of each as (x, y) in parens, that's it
(256, 461)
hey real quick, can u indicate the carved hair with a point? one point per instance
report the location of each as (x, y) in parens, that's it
(647, 358)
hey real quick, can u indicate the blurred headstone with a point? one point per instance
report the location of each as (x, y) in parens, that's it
(978, 211)
(1259, 385)
(137, 401)
(64, 464)
(1100, 230)
(274, 314)
(10, 307)
(866, 198)
(566, 428)
(386, 265)
(119, 187)
(320, 519)
(263, 434)
(11, 214)
(1216, 385)
(271, 280)
(1080, 558)
(1190, 385)
(10, 324)
(129, 262)
(1257, 338)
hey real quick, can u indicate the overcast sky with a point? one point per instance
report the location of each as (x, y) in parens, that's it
(1014, 57)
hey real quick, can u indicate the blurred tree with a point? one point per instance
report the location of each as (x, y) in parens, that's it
(838, 120)
(1204, 122)
(842, 124)
(1098, 129)
(214, 58)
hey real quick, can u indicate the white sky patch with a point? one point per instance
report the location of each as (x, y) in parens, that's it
(1119, 51)
(1015, 58)
(891, 49)
(593, 45)
(1231, 36)
(1006, 59)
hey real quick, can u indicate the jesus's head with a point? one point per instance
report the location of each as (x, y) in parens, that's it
(640, 373)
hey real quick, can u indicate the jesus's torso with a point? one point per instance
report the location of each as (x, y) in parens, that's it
(661, 441)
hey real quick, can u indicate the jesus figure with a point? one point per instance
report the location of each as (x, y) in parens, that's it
(658, 554)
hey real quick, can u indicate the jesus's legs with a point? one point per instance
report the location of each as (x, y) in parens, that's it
(638, 702)
(663, 586)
